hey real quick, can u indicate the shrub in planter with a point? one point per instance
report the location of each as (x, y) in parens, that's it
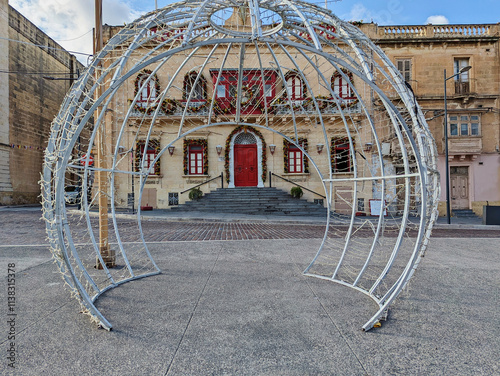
(296, 192)
(195, 194)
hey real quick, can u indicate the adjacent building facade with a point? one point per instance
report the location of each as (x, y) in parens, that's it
(28, 102)
(423, 54)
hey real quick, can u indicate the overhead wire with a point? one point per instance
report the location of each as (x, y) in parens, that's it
(48, 47)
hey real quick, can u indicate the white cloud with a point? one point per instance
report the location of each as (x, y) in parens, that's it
(360, 13)
(70, 22)
(437, 20)
(384, 15)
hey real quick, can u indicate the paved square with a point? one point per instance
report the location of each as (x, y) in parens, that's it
(243, 308)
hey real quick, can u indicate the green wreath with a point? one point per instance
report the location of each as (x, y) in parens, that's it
(192, 109)
(244, 90)
(220, 110)
(322, 102)
(168, 106)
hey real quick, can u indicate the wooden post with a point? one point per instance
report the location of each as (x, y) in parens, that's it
(107, 254)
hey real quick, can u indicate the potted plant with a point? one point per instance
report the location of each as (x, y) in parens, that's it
(195, 194)
(296, 192)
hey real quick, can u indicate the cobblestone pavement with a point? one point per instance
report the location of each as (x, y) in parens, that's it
(23, 226)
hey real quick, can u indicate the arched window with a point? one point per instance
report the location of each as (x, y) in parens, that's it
(148, 88)
(341, 86)
(245, 139)
(194, 87)
(294, 86)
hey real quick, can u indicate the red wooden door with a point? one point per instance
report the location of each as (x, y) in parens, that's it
(245, 165)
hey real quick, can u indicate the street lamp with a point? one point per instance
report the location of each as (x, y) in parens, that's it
(447, 163)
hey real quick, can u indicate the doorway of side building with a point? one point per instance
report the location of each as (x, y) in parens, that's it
(459, 181)
(245, 160)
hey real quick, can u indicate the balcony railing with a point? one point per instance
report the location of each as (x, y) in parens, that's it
(326, 106)
(462, 87)
(438, 31)
(284, 107)
(174, 108)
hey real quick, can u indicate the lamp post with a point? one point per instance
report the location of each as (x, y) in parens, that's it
(447, 163)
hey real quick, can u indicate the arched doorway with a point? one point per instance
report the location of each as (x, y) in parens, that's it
(245, 160)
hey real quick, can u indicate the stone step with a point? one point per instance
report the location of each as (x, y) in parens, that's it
(252, 200)
(464, 213)
(230, 207)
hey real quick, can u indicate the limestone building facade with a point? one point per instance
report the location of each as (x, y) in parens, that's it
(28, 102)
(422, 53)
(245, 156)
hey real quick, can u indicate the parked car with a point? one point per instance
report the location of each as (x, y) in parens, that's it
(72, 194)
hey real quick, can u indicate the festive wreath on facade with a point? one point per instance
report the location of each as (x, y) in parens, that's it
(322, 102)
(295, 107)
(349, 104)
(144, 74)
(247, 97)
(228, 146)
(168, 106)
(286, 145)
(338, 74)
(198, 141)
(195, 107)
(219, 109)
(139, 150)
(307, 103)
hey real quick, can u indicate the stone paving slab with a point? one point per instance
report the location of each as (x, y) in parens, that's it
(243, 308)
(23, 226)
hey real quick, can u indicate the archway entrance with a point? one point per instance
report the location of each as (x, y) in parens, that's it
(245, 161)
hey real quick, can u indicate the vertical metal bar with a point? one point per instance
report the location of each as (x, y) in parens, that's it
(447, 163)
(240, 81)
(222, 179)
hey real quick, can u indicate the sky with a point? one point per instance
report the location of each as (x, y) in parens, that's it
(70, 22)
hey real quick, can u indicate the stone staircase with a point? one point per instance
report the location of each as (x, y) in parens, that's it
(464, 213)
(252, 200)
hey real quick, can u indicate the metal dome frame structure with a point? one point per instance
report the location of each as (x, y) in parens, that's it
(271, 34)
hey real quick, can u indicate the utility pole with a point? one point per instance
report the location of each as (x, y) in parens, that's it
(107, 254)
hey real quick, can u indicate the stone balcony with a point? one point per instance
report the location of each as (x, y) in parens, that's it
(462, 147)
(201, 108)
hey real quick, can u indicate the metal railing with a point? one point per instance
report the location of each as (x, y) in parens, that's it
(271, 174)
(221, 176)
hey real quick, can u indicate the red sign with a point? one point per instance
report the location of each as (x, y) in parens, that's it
(84, 161)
